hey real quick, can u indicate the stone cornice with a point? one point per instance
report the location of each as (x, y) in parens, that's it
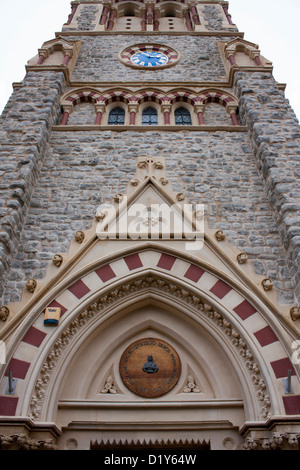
(143, 128)
(217, 34)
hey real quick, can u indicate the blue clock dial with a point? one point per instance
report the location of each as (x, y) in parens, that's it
(149, 58)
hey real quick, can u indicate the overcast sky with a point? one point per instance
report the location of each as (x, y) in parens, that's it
(272, 24)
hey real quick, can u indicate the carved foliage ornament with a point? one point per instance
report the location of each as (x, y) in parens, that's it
(116, 295)
(4, 312)
(286, 441)
(23, 442)
(31, 285)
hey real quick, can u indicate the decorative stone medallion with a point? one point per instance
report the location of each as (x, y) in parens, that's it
(146, 56)
(150, 367)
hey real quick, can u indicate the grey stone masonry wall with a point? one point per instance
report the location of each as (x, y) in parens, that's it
(87, 18)
(25, 128)
(275, 137)
(84, 168)
(98, 59)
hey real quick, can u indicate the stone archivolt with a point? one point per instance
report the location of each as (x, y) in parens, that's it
(172, 290)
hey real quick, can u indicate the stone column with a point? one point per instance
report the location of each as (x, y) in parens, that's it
(230, 55)
(232, 112)
(104, 15)
(150, 14)
(194, 15)
(133, 109)
(42, 56)
(71, 15)
(155, 22)
(68, 54)
(111, 20)
(144, 21)
(199, 109)
(188, 21)
(255, 55)
(67, 111)
(228, 16)
(100, 109)
(166, 109)
(232, 59)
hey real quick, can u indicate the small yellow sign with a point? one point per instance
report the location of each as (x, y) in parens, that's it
(52, 316)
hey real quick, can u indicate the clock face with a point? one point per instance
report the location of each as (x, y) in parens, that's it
(149, 58)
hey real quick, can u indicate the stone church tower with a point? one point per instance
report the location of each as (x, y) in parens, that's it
(150, 233)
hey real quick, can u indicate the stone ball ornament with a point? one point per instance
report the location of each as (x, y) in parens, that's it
(31, 285)
(79, 236)
(220, 235)
(57, 260)
(267, 284)
(4, 312)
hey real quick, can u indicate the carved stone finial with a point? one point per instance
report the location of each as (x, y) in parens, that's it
(295, 313)
(100, 215)
(220, 235)
(109, 386)
(79, 236)
(191, 386)
(242, 258)
(267, 284)
(57, 260)
(158, 165)
(4, 312)
(142, 164)
(31, 285)
(180, 197)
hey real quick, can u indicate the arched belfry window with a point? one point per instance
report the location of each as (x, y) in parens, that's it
(116, 116)
(149, 116)
(182, 116)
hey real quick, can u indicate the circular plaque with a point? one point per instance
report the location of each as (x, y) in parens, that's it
(150, 367)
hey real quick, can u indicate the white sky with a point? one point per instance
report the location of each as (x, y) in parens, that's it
(272, 24)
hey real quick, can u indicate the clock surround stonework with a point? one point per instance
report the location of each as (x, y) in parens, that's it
(221, 310)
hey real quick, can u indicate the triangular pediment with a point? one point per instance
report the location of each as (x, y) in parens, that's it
(241, 42)
(150, 210)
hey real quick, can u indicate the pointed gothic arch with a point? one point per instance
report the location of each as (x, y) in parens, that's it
(205, 297)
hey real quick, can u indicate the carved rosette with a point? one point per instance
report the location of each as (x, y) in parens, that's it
(133, 286)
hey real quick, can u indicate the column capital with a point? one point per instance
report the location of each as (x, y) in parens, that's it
(133, 107)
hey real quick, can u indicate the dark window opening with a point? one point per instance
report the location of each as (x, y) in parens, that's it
(182, 117)
(116, 116)
(149, 116)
